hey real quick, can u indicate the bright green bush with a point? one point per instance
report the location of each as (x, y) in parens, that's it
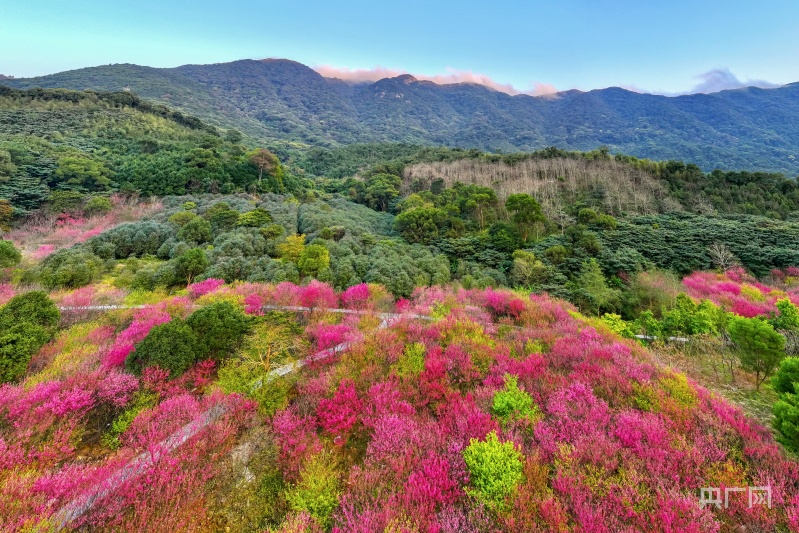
(181, 218)
(98, 205)
(318, 490)
(786, 409)
(788, 316)
(618, 325)
(34, 307)
(27, 322)
(257, 218)
(495, 468)
(196, 230)
(240, 376)
(17, 346)
(314, 259)
(190, 264)
(9, 255)
(512, 403)
(786, 420)
(688, 318)
(647, 324)
(411, 363)
(787, 376)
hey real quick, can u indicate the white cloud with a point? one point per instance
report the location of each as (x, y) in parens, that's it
(722, 79)
(450, 76)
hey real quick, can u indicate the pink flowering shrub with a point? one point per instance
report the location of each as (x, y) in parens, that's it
(253, 304)
(356, 297)
(43, 251)
(117, 388)
(318, 295)
(740, 293)
(340, 413)
(6, 293)
(44, 234)
(588, 388)
(79, 297)
(201, 288)
(328, 335)
(143, 322)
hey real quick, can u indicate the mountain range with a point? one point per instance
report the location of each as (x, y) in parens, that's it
(277, 101)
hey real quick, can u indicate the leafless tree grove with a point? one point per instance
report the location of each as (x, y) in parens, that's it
(618, 187)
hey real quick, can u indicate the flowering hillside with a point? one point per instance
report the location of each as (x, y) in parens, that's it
(40, 236)
(451, 411)
(740, 293)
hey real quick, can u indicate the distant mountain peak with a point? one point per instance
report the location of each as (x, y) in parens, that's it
(406, 78)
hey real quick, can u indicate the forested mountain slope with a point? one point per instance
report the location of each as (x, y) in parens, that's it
(283, 100)
(73, 143)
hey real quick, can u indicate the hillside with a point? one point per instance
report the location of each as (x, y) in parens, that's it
(286, 408)
(73, 143)
(281, 100)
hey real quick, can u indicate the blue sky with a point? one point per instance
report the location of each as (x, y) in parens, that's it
(651, 45)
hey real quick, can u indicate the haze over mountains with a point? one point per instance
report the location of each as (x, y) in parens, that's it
(283, 101)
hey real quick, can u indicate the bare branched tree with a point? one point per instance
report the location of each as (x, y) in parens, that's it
(722, 257)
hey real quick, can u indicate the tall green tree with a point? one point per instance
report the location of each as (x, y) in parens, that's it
(591, 291)
(197, 230)
(264, 161)
(526, 214)
(421, 224)
(314, 259)
(191, 263)
(527, 269)
(760, 346)
(381, 190)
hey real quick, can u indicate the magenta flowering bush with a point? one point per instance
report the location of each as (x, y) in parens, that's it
(253, 304)
(328, 335)
(740, 293)
(207, 286)
(338, 415)
(317, 294)
(356, 297)
(143, 322)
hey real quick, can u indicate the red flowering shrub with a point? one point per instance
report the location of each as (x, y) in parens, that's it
(339, 414)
